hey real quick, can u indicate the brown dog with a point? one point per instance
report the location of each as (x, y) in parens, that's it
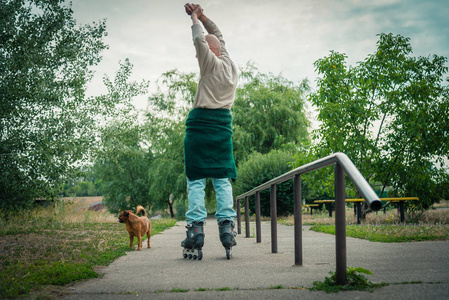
(136, 226)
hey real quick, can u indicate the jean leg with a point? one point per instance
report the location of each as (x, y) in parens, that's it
(225, 200)
(195, 192)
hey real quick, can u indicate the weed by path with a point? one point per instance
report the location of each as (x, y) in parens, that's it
(355, 280)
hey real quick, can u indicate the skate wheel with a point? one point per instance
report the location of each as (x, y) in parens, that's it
(190, 256)
(184, 255)
(228, 253)
(200, 254)
(194, 257)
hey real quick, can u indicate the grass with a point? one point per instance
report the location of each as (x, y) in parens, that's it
(224, 289)
(179, 290)
(438, 214)
(430, 225)
(391, 233)
(53, 247)
(277, 287)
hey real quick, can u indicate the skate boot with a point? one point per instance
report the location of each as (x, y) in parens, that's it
(194, 241)
(227, 236)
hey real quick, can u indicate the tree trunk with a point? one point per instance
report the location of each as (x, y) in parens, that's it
(170, 205)
(364, 211)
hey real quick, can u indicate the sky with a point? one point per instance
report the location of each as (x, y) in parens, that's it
(280, 37)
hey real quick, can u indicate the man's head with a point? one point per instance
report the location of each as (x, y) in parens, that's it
(214, 44)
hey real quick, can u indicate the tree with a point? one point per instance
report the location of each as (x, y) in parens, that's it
(46, 121)
(122, 164)
(166, 176)
(389, 114)
(268, 111)
(169, 107)
(121, 156)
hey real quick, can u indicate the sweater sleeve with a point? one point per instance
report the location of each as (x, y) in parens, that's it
(212, 28)
(203, 53)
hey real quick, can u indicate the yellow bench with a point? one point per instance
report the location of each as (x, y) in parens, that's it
(357, 205)
(311, 206)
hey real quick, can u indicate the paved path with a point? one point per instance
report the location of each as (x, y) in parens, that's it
(418, 270)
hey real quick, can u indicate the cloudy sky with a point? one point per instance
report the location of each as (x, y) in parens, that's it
(282, 37)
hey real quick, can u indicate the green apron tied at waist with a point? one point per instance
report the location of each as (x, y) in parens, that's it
(208, 144)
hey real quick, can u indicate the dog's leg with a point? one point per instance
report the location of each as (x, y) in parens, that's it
(139, 239)
(131, 240)
(148, 237)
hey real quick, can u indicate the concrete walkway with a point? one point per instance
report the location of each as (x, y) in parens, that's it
(418, 270)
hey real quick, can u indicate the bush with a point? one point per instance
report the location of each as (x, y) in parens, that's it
(260, 168)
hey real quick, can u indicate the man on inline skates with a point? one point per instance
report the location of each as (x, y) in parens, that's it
(208, 144)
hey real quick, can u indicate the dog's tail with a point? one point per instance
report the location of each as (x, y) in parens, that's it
(141, 210)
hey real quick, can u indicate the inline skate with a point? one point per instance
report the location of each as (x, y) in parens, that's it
(193, 243)
(227, 236)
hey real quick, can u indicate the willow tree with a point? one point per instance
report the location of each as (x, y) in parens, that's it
(168, 108)
(268, 111)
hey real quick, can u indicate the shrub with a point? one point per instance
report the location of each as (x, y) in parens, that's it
(260, 168)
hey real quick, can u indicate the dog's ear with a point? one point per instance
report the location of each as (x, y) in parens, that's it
(125, 213)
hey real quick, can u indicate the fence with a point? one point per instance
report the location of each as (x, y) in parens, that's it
(343, 165)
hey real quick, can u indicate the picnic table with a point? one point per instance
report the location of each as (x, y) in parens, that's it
(358, 206)
(311, 206)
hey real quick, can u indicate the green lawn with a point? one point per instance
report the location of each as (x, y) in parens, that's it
(391, 233)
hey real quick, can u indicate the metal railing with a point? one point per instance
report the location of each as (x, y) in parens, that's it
(343, 165)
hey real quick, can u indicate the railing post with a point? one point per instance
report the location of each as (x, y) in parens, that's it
(298, 219)
(340, 224)
(247, 228)
(274, 233)
(258, 229)
(239, 217)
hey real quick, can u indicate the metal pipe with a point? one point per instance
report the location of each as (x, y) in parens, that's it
(258, 225)
(359, 181)
(318, 164)
(340, 224)
(298, 219)
(356, 177)
(247, 228)
(274, 232)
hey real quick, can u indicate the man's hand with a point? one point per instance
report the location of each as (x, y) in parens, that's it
(196, 12)
(194, 9)
(189, 8)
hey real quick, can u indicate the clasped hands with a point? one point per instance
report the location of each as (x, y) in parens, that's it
(194, 9)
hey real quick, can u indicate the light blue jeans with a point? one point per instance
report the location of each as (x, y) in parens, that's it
(196, 194)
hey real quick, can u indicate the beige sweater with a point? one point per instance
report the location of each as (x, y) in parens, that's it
(218, 75)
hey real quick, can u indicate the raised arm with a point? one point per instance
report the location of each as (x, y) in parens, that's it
(197, 13)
